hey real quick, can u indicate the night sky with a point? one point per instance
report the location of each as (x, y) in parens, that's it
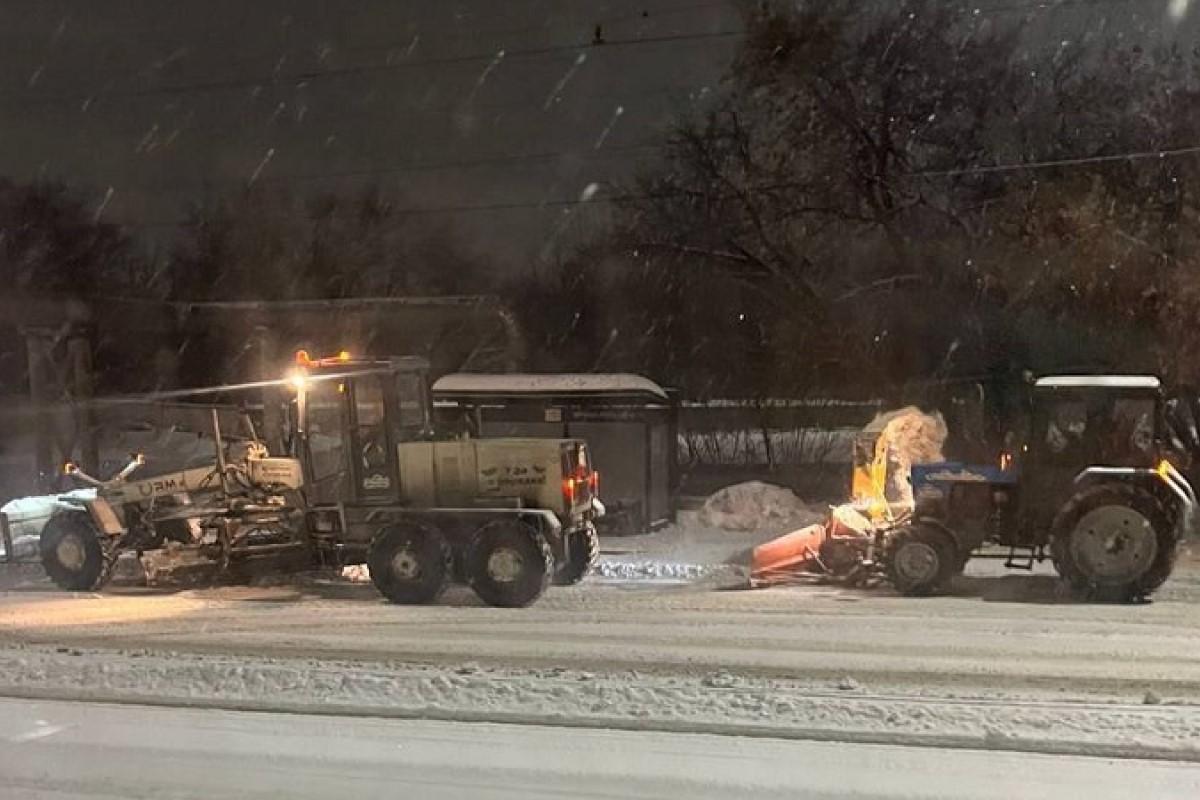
(477, 112)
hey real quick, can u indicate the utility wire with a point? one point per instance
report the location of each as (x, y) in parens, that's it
(765, 188)
(1062, 162)
(603, 153)
(307, 76)
(214, 35)
(1049, 5)
(365, 69)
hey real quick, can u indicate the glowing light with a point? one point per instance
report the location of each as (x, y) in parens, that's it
(1178, 9)
(302, 358)
(1163, 469)
(107, 610)
(298, 378)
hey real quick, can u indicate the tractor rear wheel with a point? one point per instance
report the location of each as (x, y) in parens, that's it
(1115, 542)
(583, 548)
(409, 564)
(922, 559)
(509, 564)
(75, 554)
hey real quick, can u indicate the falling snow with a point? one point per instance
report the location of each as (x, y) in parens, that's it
(556, 92)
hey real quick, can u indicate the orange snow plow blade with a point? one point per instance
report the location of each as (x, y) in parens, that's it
(781, 558)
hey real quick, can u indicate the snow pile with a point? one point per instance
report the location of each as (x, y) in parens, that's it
(908, 436)
(755, 505)
(666, 571)
(356, 573)
(24, 548)
(724, 702)
(27, 515)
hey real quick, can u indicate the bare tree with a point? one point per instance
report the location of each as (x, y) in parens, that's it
(936, 195)
(264, 246)
(53, 242)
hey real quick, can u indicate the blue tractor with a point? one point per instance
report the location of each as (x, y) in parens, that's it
(1084, 481)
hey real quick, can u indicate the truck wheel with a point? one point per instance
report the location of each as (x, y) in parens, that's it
(583, 547)
(509, 564)
(922, 560)
(76, 555)
(1113, 541)
(409, 564)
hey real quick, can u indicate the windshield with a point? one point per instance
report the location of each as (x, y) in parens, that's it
(1110, 430)
(600, 398)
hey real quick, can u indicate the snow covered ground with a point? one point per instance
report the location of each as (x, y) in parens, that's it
(717, 702)
(82, 750)
(650, 642)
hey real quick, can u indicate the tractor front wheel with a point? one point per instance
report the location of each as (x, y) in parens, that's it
(922, 559)
(76, 555)
(409, 564)
(1115, 542)
(509, 564)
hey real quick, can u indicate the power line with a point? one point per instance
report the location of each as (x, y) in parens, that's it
(297, 79)
(294, 80)
(215, 34)
(472, 208)
(666, 194)
(465, 163)
(1049, 5)
(1062, 162)
(433, 166)
(602, 21)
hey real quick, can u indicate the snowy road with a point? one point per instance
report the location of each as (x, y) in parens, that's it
(997, 634)
(1003, 664)
(79, 750)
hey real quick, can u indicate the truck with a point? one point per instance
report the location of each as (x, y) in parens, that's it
(362, 478)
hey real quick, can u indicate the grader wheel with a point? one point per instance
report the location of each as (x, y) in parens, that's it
(509, 564)
(76, 555)
(409, 564)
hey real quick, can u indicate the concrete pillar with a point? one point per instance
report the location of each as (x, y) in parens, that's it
(41, 396)
(83, 391)
(269, 367)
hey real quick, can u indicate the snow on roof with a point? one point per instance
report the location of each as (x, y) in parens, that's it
(469, 383)
(1098, 381)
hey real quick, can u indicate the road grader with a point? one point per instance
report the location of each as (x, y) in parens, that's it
(364, 480)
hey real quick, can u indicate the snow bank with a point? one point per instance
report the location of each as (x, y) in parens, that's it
(476, 383)
(668, 572)
(357, 573)
(27, 515)
(755, 505)
(831, 708)
(24, 548)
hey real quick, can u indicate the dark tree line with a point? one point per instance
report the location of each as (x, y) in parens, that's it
(907, 194)
(880, 194)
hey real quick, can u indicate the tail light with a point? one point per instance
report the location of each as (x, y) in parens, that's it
(575, 486)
